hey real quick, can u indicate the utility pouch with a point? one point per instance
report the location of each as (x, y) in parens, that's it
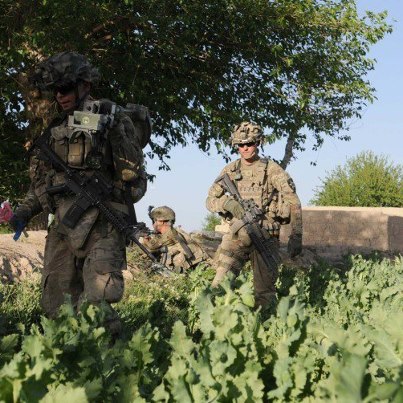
(74, 213)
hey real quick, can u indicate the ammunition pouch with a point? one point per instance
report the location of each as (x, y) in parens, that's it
(73, 146)
(273, 229)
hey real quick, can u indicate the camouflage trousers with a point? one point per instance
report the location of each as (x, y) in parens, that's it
(92, 273)
(234, 251)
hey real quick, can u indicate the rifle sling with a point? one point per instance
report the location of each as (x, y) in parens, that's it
(237, 225)
(127, 194)
(186, 250)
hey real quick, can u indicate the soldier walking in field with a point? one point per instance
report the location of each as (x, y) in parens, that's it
(84, 253)
(173, 247)
(272, 192)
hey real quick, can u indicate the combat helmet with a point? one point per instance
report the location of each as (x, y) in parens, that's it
(163, 213)
(63, 70)
(246, 132)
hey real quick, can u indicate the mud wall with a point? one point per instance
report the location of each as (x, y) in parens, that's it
(336, 231)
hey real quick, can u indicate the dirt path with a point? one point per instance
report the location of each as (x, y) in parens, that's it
(21, 259)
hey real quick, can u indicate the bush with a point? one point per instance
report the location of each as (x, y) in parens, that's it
(366, 180)
(210, 222)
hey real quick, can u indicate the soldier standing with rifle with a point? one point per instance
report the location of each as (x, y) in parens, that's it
(87, 170)
(255, 196)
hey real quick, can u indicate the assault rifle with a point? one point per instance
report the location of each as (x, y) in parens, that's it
(91, 191)
(250, 220)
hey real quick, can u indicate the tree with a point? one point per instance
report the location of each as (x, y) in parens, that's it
(366, 180)
(210, 222)
(12, 162)
(295, 67)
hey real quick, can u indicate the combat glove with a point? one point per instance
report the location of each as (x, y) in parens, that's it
(294, 247)
(235, 208)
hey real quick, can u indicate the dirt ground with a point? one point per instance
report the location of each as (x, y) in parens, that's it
(23, 258)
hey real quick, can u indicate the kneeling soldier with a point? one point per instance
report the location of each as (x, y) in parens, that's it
(172, 246)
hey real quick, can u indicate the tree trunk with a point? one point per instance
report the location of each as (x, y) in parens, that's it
(289, 150)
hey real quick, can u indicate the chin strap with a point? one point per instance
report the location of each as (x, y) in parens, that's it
(79, 100)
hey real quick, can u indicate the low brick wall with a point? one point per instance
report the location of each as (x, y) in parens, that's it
(336, 231)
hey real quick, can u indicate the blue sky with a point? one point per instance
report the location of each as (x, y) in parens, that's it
(184, 188)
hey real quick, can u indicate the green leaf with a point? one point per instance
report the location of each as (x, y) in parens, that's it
(179, 340)
(65, 393)
(33, 346)
(350, 378)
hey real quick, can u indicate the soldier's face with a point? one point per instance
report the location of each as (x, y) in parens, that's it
(157, 225)
(66, 99)
(248, 151)
(161, 226)
(67, 96)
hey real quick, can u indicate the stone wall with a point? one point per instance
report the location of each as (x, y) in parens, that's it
(336, 231)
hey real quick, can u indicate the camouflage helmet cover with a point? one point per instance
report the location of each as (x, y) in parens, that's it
(163, 213)
(246, 132)
(63, 69)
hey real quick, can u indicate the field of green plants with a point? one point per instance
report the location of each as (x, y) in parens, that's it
(335, 336)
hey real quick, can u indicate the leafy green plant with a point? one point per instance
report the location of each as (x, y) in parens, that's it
(155, 300)
(19, 304)
(210, 222)
(366, 180)
(345, 344)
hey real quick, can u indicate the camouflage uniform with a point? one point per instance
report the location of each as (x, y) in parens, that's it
(174, 248)
(273, 190)
(85, 261)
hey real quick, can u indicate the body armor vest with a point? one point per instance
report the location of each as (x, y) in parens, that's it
(251, 181)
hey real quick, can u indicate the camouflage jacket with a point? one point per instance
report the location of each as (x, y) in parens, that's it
(122, 165)
(268, 185)
(176, 250)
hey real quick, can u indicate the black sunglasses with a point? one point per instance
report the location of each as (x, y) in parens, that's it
(250, 144)
(65, 89)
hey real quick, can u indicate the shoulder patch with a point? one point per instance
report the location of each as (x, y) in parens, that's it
(233, 166)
